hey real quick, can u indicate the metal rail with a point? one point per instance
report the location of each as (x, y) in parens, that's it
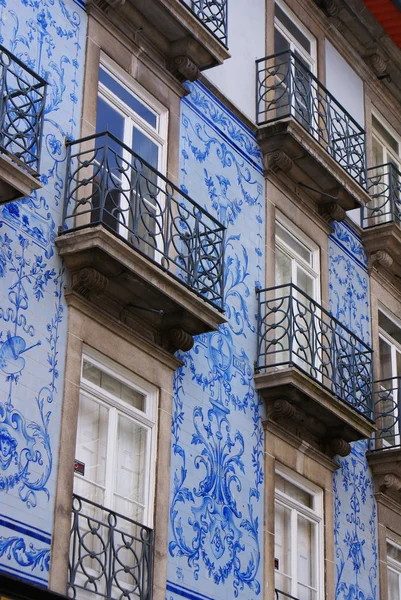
(295, 331)
(384, 187)
(108, 184)
(110, 555)
(285, 87)
(387, 398)
(213, 14)
(22, 106)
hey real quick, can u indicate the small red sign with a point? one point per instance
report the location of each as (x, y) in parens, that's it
(79, 467)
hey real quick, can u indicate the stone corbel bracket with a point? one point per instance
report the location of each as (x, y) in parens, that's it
(380, 258)
(278, 161)
(331, 211)
(177, 339)
(389, 483)
(88, 281)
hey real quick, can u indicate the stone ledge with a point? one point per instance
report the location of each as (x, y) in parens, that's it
(291, 152)
(15, 183)
(310, 411)
(383, 246)
(386, 469)
(108, 272)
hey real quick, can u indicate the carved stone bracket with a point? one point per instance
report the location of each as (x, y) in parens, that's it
(379, 64)
(338, 446)
(278, 161)
(331, 211)
(184, 68)
(380, 258)
(389, 483)
(177, 339)
(106, 4)
(330, 7)
(88, 281)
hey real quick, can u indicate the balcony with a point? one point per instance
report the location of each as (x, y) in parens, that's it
(381, 219)
(307, 135)
(138, 246)
(191, 35)
(22, 104)
(313, 372)
(111, 556)
(385, 460)
(279, 595)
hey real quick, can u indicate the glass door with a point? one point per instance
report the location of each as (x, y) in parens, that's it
(294, 90)
(390, 376)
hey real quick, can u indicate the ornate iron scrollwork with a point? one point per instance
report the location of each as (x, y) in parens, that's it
(295, 331)
(285, 87)
(213, 14)
(110, 555)
(108, 184)
(22, 104)
(384, 187)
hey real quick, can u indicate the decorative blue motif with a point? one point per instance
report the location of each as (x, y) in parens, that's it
(355, 532)
(46, 36)
(217, 474)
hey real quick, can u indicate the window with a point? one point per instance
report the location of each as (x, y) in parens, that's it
(290, 36)
(116, 438)
(298, 542)
(393, 571)
(385, 172)
(390, 371)
(297, 259)
(137, 122)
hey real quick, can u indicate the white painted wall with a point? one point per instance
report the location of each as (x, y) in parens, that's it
(246, 33)
(344, 84)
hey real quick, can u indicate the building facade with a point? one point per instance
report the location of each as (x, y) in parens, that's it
(200, 314)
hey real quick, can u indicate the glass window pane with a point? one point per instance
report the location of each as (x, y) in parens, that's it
(386, 136)
(385, 359)
(283, 268)
(91, 448)
(305, 282)
(281, 44)
(390, 327)
(292, 242)
(293, 491)
(130, 467)
(113, 386)
(109, 119)
(394, 553)
(145, 148)
(306, 555)
(282, 545)
(377, 152)
(293, 29)
(128, 98)
(393, 585)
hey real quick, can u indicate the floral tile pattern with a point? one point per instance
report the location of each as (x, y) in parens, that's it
(49, 37)
(216, 524)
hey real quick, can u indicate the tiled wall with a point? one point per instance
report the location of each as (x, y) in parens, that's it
(216, 522)
(355, 526)
(49, 36)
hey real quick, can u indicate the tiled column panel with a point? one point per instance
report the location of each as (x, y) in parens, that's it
(216, 524)
(355, 526)
(49, 36)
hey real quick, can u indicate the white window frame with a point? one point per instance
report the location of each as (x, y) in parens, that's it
(147, 418)
(394, 348)
(311, 58)
(388, 152)
(296, 260)
(394, 565)
(157, 134)
(315, 515)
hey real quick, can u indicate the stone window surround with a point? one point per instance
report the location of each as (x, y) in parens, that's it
(285, 450)
(105, 39)
(389, 528)
(108, 336)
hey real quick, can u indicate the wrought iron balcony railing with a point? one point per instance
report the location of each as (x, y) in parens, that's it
(283, 595)
(108, 184)
(384, 187)
(110, 555)
(295, 331)
(213, 14)
(22, 105)
(285, 87)
(387, 398)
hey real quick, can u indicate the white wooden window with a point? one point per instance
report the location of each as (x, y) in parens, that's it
(297, 259)
(386, 145)
(393, 570)
(291, 34)
(116, 438)
(298, 536)
(390, 371)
